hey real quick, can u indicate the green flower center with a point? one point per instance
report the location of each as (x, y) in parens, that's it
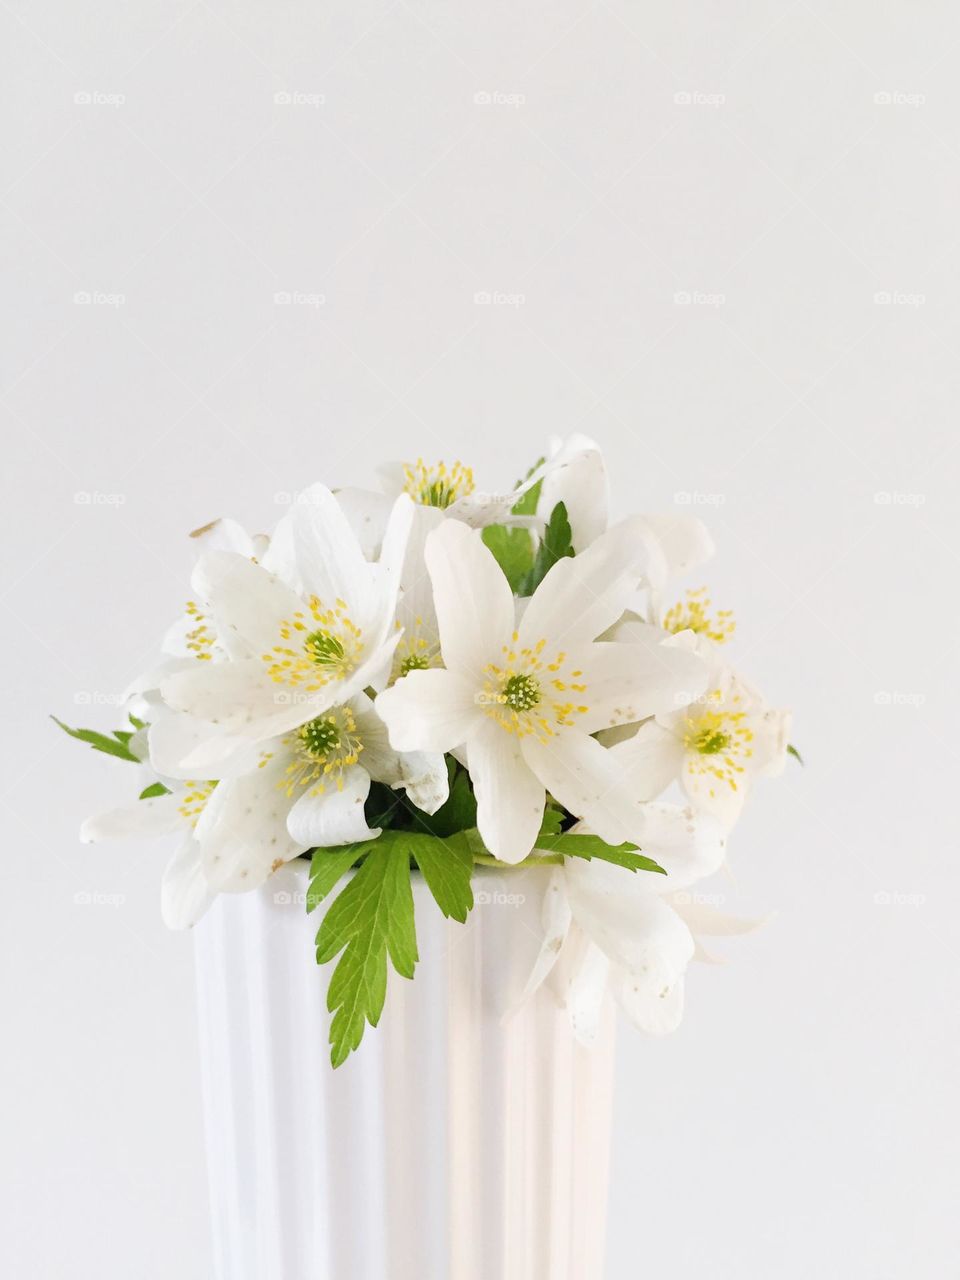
(414, 662)
(521, 692)
(319, 737)
(323, 648)
(710, 742)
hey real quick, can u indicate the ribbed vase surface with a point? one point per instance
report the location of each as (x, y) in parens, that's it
(454, 1145)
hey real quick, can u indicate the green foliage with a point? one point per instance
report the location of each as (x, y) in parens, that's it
(552, 822)
(556, 544)
(447, 867)
(111, 746)
(792, 751)
(513, 551)
(328, 865)
(371, 919)
(457, 813)
(155, 789)
(570, 845)
(526, 504)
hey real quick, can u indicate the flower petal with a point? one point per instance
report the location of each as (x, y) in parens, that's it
(243, 828)
(711, 795)
(432, 710)
(701, 918)
(555, 917)
(586, 778)
(641, 936)
(367, 513)
(576, 476)
(185, 895)
(626, 683)
(586, 992)
(156, 817)
(241, 700)
(581, 597)
(422, 774)
(248, 603)
(175, 736)
(334, 816)
(510, 798)
(686, 844)
(684, 540)
(652, 998)
(652, 759)
(472, 598)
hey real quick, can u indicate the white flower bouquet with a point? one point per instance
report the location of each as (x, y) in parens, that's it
(428, 678)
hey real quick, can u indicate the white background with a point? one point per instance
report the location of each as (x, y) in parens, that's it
(804, 1119)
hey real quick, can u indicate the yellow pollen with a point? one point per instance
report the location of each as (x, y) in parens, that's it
(317, 647)
(320, 751)
(201, 637)
(694, 615)
(717, 740)
(194, 799)
(439, 485)
(519, 692)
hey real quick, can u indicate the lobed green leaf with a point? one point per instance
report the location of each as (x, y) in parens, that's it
(111, 746)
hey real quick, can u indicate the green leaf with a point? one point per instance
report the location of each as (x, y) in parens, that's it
(371, 919)
(328, 865)
(155, 789)
(586, 846)
(99, 741)
(137, 724)
(792, 751)
(513, 551)
(457, 813)
(447, 867)
(526, 504)
(552, 821)
(557, 543)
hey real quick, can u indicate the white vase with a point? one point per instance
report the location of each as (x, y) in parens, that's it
(451, 1146)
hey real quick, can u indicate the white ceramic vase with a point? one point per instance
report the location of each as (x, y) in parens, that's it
(453, 1145)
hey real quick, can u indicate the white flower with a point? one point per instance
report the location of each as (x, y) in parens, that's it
(717, 745)
(308, 789)
(576, 475)
(631, 934)
(293, 654)
(525, 697)
(184, 893)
